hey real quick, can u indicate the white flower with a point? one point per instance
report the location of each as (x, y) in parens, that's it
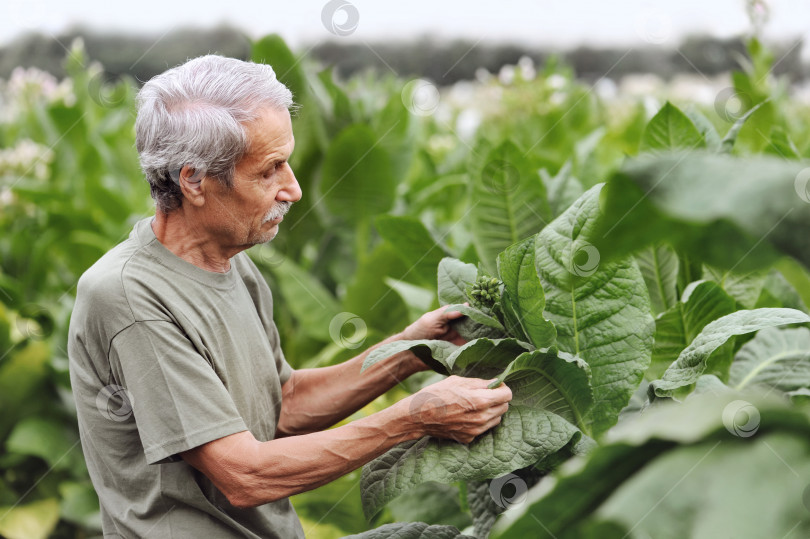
(27, 158)
(527, 69)
(32, 87)
(467, 123)
(507, 75)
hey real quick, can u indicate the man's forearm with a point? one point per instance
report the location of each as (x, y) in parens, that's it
(252, 473)
(315, 399)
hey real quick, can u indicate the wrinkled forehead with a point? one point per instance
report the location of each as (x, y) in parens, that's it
(270, 135)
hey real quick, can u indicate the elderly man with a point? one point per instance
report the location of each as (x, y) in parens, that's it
(192, 422)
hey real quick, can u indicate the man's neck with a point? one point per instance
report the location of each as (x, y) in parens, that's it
(191, 241)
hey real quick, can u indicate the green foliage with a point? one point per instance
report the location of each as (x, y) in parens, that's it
(692, 362)
(628, 484)
(670, 129)
(737, 221)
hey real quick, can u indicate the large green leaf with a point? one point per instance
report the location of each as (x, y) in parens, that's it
(692, 362)
(670, 129)
(484, 358)
(524, 436)
(714, 495)
(774, 358)
(552, 391)
(601, 309)
(523, 300)
(411, 530)
(357, 180)
(734, 221)
(414, 245)
(508, 203)
(702, 303)
(479, 317)
(554, 381)
(431, 503)
(675, 472)
(659, 267)
(433, 352)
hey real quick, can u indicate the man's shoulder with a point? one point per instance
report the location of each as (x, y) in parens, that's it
(104, 280)
(102, 307)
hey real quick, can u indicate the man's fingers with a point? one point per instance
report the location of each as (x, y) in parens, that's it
(450, 315)
(495, 421)
(500, 409)
(502, 393)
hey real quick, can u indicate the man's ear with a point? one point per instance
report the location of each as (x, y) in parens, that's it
(190, 182)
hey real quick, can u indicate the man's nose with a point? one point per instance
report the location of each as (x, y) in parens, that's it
(291, 191)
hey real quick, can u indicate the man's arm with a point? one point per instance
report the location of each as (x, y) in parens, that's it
(251, 473)
(315, 399)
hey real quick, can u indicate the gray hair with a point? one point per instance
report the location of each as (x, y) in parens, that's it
(195, 114)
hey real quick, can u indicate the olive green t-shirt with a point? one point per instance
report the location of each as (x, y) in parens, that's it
(165, 357)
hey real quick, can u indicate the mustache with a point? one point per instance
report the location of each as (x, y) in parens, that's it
(278, 211)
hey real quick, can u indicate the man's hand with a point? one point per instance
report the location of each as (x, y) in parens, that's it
(434, 325)
(458, 408)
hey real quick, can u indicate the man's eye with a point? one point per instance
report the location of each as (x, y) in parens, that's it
(275, 168)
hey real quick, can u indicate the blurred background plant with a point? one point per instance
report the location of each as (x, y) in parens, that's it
(385, 163)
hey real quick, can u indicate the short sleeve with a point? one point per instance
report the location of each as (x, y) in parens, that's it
(284, 369)
(177, 399)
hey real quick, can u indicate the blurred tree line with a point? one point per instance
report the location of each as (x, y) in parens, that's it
(445, 62)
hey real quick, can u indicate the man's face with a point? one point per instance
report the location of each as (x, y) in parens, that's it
(264, 185)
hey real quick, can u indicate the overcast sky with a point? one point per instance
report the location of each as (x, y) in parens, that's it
(560, 23)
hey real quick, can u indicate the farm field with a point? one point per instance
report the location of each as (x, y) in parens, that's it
(635, 269)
